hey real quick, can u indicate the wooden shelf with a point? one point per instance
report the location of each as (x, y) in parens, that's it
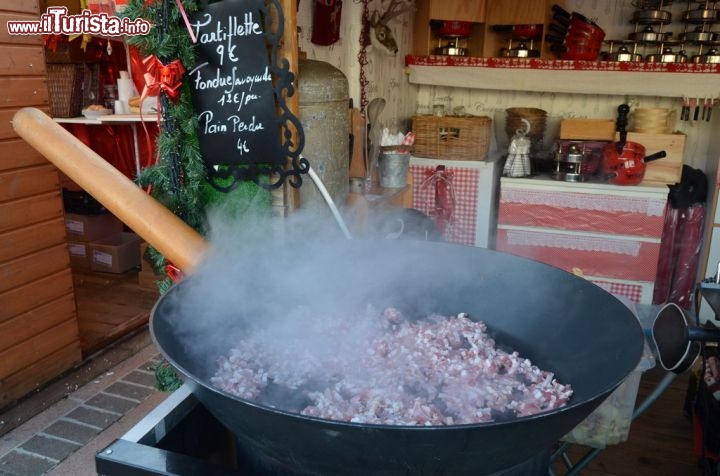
(562, 76)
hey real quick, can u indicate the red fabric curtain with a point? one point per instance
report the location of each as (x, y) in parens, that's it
(115, 143)
(679, 256)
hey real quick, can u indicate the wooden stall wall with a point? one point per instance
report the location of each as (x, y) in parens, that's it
(38, 316)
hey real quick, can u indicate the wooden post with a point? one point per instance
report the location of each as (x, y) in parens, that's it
(288, 49)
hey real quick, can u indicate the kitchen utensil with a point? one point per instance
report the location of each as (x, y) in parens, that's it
(517, 163)
(653, 120)
(624, 161)
(527, 32)
(700, 15)
(676, 339)
(594, 353)
(520, 51)
(628, 166)
(649, 35)
(712, 56)
(521, 32)
(573, 163)
(451, 29)
(582, 40)
(667, 56)
(358, 146)
(452, 48)
(571, 18)
(374, 110)
(623, 54)
(699, 36)
(651, 17)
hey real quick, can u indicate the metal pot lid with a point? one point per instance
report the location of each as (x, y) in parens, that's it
(651, 17)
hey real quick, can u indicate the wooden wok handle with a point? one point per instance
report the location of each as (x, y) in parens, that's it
(172, 237)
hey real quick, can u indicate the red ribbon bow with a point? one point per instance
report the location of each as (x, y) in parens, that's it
(159, 76)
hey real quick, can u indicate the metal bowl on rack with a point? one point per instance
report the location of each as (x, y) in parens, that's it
(520, 51)
(701, 15)
(652, 17)
(651, 4)
(711, 57)
(649, 35)
(699, 36)
(667, 56)
(623, 54)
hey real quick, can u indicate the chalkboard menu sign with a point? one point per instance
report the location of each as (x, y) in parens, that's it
(234, 98)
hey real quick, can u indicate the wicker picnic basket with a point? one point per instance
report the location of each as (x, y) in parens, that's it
(452, 137)
(65, 89)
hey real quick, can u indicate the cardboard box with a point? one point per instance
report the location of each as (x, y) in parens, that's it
(587, 129)
(115, 254)
(79, 255)
(91, 227)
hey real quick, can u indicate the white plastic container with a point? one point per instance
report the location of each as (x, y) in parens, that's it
(610, 423)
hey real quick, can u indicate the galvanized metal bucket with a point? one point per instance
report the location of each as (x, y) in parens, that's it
(393, 169)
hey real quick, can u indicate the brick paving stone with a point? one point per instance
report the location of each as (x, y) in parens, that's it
(93, 417)
(111, 403)
(129, 390)
(50, 447)
(16, 463)
(142, 378)
(72, 431)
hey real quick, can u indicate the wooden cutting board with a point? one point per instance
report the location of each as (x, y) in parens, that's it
(357, 154)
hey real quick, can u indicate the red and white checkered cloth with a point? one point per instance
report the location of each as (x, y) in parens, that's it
(631, 291)
(464, 183)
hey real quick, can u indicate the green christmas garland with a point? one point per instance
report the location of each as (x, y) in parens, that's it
(178, 178)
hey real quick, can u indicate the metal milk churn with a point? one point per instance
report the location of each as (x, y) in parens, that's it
(324, 115)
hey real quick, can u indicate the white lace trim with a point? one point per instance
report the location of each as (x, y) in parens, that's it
(573, 242)
(585, 201)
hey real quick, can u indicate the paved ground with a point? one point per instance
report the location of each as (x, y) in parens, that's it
(63, 438)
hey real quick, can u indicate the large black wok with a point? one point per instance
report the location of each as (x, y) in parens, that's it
(561, 322)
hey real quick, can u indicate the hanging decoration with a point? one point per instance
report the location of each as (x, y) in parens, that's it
(236, 101)
(442, 208)
(179, 176)
(326, 22)
(362, 54)
(161, 77)
(379, 32)
(176, 176)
